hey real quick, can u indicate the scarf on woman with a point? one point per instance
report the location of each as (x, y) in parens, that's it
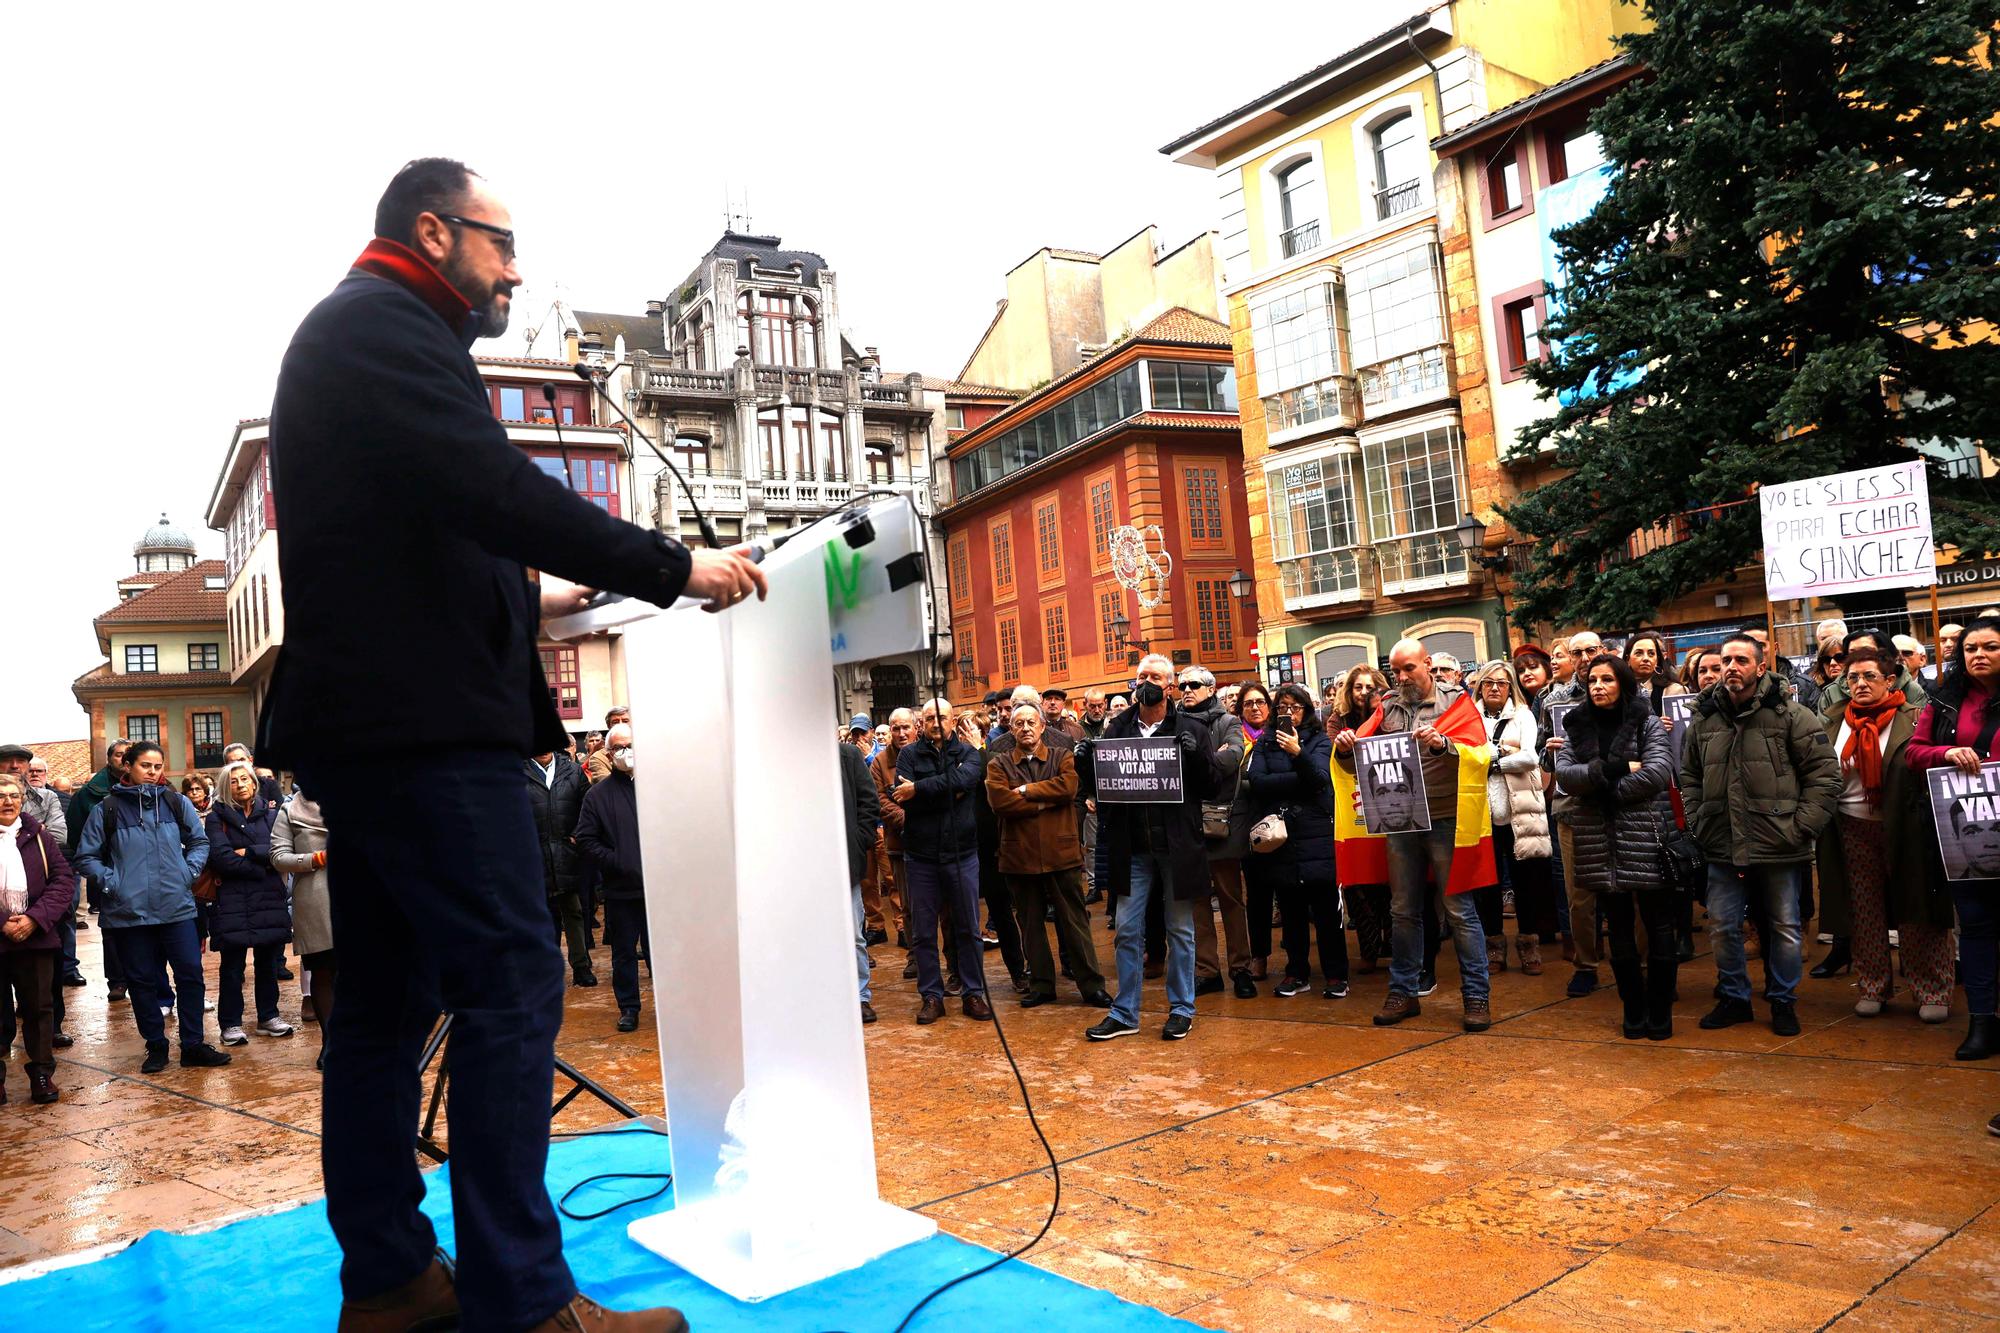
(1252, 734)
(1864, 742)
(13, 871)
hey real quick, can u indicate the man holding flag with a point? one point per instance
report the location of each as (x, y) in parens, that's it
(1454, 856)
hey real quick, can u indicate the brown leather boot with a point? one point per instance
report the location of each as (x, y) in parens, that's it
(975, 1006)
(427, 1303)
(583, 1315)
(1397, 1008)
(41, 1087)
(930, 1011)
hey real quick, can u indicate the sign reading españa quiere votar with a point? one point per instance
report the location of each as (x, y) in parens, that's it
(1137, 770)
(1847, 532)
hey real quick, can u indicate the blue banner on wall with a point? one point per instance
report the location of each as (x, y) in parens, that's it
(1561, 205)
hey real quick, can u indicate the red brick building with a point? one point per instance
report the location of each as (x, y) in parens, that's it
(1145, 435)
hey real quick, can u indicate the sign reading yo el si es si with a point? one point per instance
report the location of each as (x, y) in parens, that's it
(1848, 531)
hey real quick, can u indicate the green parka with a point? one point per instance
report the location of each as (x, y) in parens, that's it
(1759, 782)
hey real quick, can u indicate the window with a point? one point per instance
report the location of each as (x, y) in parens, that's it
(593, 474)
(1189, 387)
(142, 657)
(1314, 530)
(1413, 504)
(832, 448)
(206, 734)
(1394, 305)
(511, 404)
(204, 657)
(1504, 192)
(691, 454)
(1110, 603)
(782, 333)
(1517, 322)
(1103, 518)
(954, 418)
(1571, 151)
(143, 727)
(881, 463)
(559, 669)
(1010, 647)
(1001, 536)
(1201, 492)
(960, 563)
(1048, 539)
(1077, 417)
(1293, 337)
(770, 434)
(1504, 177)
(214, 582)
(1399, 166)
(1299, 198)
(1214, 617)
(1055, 638)
(263, 608)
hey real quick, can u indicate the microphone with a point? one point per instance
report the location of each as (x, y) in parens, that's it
(555, 419)
(583, 372)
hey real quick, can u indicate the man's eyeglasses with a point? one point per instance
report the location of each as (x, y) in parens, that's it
(505, 243)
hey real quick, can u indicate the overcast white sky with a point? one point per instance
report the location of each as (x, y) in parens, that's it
(186, 182)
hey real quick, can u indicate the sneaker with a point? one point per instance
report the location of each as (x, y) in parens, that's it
(1784, 1018)
(1335, 990)
(275, 1027)
(1109, 1028)
(202, 1056)
(1397, 1008)
(234, 1037)
(166, 1011)
(1727, 1013)
(1582, 983)
(1478, 1016)
(208, 1006)
(1427, 981)
(1291, 986)
(1176, 1027)
(156, 1058)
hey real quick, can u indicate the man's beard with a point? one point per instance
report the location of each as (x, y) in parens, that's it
(493, 312)
(1411, 691)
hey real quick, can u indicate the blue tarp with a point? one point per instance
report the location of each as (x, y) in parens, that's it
(279, 1272)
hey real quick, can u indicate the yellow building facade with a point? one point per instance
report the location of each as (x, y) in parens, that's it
(1353, 301)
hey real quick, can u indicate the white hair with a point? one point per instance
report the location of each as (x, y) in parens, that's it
(1030, 709)
(1027, 694)
(222, 778)
(1150, 658)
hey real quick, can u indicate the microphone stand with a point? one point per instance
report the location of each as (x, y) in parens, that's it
(583, 372)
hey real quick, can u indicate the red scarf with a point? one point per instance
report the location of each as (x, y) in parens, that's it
(405, 267)
(1864, 742)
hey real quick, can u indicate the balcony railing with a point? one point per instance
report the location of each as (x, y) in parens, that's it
(1328, 402)
(1416, 564)
(1415, 377)
(1398, 199)
(1326, 579)
(1299, 239)
(892, 394)
(781, 492)
(718, 493)
(696, 383)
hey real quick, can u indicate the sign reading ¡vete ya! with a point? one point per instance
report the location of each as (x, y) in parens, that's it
(1848, 531)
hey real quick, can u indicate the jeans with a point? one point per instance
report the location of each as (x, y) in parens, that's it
(441, 906)
(1410, 856)
(624, 929)
(1777, 888)
(148, 952)
(930, 883)
(1147, 883)
(861, 944)
(229, 1000)
(1978, 940)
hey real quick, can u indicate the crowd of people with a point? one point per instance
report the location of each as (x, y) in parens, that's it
(235, 862)
(1624, 793)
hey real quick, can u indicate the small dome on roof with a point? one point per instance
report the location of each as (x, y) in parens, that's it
(163, 538)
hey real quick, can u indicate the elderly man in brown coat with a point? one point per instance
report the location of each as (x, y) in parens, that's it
(1032, 789)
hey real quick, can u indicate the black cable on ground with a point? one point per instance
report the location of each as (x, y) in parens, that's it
(666, 1178)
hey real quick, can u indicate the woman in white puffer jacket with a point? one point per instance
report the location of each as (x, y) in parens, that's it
(1520, 823)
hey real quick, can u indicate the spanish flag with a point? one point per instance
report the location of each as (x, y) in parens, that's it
(1362, 857)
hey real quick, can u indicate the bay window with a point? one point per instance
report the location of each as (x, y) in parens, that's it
(1315, 531)
(1415, 497)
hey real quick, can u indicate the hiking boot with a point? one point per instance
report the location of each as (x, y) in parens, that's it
(930, 1012)
(1478, 1015)
(427, 1301)
(1530, 950)
(41, 1088)
(1397, 1008)
(976, 1006)
(156, 1058)
(583, 1315)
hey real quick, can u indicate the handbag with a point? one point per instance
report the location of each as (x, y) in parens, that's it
(204, 886)
(1269, 833)
(1683, 864)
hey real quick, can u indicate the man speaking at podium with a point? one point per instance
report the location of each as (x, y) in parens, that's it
(405, 696)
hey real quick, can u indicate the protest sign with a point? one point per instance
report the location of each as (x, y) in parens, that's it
(1390, 775)
(1557, 712)
(1848, 531)
(1137, 770)
(1966, 809)
(1680, 712)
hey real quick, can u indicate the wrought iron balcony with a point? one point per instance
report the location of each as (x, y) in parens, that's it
(1328, 403)
(1398, 199)
(1417, 564)
(1327, 579)
(1404, 381)
(1299, 239)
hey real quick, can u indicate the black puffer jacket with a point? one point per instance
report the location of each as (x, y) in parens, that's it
(556, 806)
(1301, 788)
(1617, 815)
(252, 904)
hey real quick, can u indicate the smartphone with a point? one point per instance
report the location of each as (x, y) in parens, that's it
(1287, 726)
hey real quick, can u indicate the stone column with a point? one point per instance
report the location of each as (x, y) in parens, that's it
(750, 455)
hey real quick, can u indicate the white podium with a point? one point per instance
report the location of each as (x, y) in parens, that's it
(752, 925)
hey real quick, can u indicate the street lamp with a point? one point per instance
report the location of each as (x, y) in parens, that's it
(1241, 586)
(1121, 626)
(1471, 534)
(965, 665)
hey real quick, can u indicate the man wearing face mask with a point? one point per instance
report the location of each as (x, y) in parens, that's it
(607, 832)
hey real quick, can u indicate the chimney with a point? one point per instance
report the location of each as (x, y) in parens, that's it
(592, 341)
(656, 309)
(569, 345)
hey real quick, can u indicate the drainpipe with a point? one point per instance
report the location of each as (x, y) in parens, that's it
(1437, 81)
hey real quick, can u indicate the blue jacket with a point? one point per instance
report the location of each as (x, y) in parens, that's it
(939, 822)
(252, 904)
(145, 845)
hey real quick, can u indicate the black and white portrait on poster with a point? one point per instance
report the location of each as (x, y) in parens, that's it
(1967, 810)
(1390, 776)
(1680, 712)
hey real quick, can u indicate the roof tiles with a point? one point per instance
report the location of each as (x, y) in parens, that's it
(184, 596)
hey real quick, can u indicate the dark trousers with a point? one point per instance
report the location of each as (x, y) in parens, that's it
(114, 962)
(1309, 908)
(24, 986)
(993, 887)
(624, 930)
(1658, 911)
(1257, 895)
(1033, 896)
(441, 906)
(566, 911)
(149, 951)
(1368, 909)
(229, 1000)
(1534, 892)
(932, 883)
(66, 937)
(1978, 941)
